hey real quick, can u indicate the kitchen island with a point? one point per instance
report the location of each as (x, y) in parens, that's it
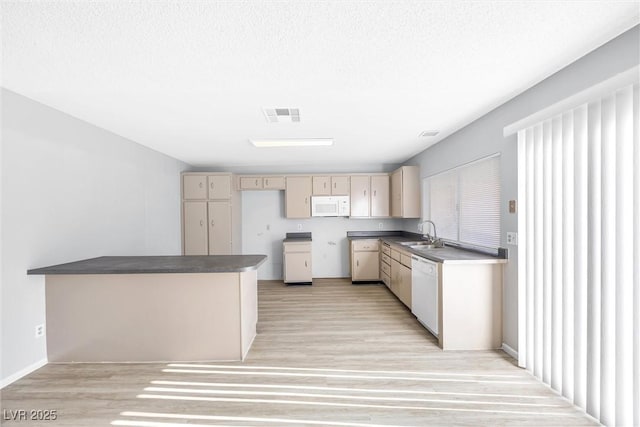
(151, 308)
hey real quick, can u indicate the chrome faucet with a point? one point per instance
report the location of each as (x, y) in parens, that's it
(427, 235)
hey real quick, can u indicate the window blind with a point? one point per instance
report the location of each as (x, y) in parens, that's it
(579, 252)
(464, 202)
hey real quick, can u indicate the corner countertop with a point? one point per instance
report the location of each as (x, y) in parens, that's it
(298, 237)
(156, 264)
(449, 254)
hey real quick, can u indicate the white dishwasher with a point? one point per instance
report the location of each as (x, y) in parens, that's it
(424, 292)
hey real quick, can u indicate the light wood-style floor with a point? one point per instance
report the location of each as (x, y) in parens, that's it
(331, 354)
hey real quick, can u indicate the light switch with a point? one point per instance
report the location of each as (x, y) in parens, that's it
(512, 238)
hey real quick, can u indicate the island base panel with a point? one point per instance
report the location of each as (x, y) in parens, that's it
(150, 317)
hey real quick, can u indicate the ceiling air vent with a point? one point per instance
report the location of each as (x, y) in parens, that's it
(282, 115)
(428, 133)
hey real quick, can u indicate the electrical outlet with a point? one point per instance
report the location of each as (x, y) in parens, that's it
(40, 330)
(380, 226)
(299, 227)
(512, 238)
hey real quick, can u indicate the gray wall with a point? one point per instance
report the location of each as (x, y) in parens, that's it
(70, 191)
(484, 137)
(264, 226)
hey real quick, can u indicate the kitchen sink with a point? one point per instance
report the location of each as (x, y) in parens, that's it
(423, 245)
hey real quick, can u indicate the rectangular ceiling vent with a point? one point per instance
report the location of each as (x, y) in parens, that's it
(428, 133)
(282, 115)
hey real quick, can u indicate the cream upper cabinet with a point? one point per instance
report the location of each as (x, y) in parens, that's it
(219, 186)
(273, 182)
(339, 185)
(194, 187)
(219, 223)
(251, 183)
(405, 192)
(331, 185)
(194, 230)
(380, 195)
(321, 185)
(298, 197)
(256, 182)
(360, 188)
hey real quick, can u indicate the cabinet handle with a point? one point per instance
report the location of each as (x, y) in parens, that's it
(213, 186)
(324, 185)
(201, 223)
(334, 185)
(266, 182)
(200, 184)
(305, 263)
(365, 192)
(357, 263)
(213, 224)
(256, 182)
(374, 193)
(305, 201)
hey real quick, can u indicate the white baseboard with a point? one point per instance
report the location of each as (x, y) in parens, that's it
(511, 352)
(22, 373)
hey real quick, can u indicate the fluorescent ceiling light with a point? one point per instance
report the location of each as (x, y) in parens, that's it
(292, 142)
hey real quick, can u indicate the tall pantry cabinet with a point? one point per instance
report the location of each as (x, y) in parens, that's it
(211, 213)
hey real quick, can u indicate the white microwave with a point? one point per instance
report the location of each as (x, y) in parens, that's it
(330, 206)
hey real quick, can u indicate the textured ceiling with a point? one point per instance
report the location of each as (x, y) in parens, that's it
(190, 79)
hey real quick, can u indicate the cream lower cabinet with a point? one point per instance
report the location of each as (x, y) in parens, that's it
(365, 260)
(385, 264)
(296, 260)
(401, 276)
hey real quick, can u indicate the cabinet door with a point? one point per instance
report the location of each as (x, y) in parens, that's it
(321, 186)
(273, 183)
(194, 187)
(298, 197)
(404, 290)
(250, 182)
(395, 276)
(380, 196)
(297, 267)
(194, 217)
(365, 266)
(219, 186)
(339, 185)
(219, 228)
(360, 195)
(396, 194)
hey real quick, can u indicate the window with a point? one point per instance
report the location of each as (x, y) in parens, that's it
(464, 202)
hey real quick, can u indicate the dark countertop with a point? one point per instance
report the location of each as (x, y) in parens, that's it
(298, 237)
(156, 264)
(449, 254)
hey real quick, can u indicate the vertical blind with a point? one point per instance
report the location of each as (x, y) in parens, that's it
(464, 202)
(579, 254)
